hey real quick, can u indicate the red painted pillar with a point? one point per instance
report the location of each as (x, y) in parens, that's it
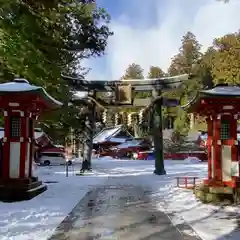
(32, 142)
(6, 147)
(234, 144)
(209, 146)
(16, 146)
(23, 144)
(217, 168)
(13, 156)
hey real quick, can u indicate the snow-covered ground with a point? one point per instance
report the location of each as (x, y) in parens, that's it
(37, 218)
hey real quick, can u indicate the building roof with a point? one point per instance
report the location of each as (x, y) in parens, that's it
(222, 92)
(20, 86)
(109, 133)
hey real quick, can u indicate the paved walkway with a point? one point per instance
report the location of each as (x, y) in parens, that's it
(117, 212)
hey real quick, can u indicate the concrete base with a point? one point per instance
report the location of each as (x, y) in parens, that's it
(20, 190)
(216, 195)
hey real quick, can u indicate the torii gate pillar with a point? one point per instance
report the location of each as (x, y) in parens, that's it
(157, 133)
(89, 132)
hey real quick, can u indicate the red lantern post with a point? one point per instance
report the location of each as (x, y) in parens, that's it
(221, 107)
(21, 103)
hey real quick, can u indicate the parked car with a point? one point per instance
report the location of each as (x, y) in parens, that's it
(128, 149)
(53, 158)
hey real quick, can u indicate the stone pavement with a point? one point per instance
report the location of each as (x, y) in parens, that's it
(117, 212)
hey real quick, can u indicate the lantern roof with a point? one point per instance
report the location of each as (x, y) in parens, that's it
(222, 90)
(219, 93)
(22, 86)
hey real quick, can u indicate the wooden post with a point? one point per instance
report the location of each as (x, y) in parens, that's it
(89, 130)
(157, 132)
(233, 133)
(217, 169)
(209, 146)
(66, 169)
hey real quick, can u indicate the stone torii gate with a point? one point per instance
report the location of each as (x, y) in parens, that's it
(121, 93)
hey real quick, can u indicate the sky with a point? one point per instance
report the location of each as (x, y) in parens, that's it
(149, 32)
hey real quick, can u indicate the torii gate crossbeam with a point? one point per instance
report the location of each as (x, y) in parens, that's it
(156, 86)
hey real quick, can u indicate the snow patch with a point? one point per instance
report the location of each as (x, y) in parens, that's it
(192, 160)
(36, 219)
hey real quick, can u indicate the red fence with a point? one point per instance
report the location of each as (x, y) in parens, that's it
(186, 182)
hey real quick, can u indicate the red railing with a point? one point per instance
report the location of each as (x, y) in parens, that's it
(186, 182)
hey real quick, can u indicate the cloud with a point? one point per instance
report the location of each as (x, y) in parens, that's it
(150, 34)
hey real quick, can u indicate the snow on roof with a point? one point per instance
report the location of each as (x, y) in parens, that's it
(17, 87)
(132, 143)
(106, 133)
(117, 140)
(223, 90)
(51, 98)
(22, 85)
(37, 134)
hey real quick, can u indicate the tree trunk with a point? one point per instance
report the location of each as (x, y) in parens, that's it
(88, 135)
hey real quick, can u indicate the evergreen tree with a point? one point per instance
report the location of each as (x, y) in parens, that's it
(134, 71)
(226, 59)
(185, 62)
(42, 39)
(156, 72)
(203, 70)
(188, 56)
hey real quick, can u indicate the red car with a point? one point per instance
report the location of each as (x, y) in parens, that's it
(128, 149)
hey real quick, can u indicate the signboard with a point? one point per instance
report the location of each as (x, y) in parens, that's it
(124, 94)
